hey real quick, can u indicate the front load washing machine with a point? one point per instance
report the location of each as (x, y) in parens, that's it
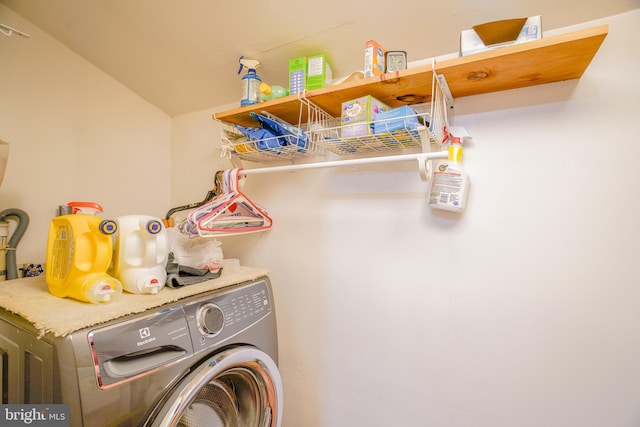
(210, 359)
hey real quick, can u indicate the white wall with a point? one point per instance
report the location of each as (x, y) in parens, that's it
(75, 134)
(520, 312)
(523, 311)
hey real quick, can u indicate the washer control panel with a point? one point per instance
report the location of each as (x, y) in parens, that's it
(213, 320)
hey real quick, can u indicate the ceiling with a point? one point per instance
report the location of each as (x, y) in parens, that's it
(182, 56)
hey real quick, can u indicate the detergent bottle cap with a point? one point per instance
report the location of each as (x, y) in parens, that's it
(150, 284)
(90, 208)
(102, 290)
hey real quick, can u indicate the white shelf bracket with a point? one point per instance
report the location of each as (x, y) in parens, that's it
(442, 81)
(445, 90)
(424, 167)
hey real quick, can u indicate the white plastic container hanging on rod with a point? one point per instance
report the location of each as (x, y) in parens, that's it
(450, 182)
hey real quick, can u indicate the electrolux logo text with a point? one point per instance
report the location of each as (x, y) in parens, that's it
(34, 415)
(145, 334)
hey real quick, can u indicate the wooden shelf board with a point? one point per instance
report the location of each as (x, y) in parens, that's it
(414, 84)
(548, 60)
(551, 59)
(411, 86)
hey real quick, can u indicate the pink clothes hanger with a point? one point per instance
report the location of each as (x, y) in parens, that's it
(231, 213)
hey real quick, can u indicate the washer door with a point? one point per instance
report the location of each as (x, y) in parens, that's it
(239, 387)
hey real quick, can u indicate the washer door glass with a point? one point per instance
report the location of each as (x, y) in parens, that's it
(240, 387)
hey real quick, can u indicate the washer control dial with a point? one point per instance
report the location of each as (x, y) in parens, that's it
(210, 319)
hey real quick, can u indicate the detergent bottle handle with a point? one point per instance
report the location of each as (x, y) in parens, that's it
(102, 251)
(154, 246)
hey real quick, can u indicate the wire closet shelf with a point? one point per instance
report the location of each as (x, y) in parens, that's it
(317, 132)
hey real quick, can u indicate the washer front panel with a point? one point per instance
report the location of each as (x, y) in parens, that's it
(136, 347)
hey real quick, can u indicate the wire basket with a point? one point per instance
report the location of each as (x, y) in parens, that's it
(415, 126)
(318, 132)
(403, 132)
(285, 147)
(263, 150)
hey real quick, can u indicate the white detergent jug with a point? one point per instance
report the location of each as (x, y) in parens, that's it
(141, 251)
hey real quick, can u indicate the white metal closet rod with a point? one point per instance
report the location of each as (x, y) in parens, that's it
(420, 157)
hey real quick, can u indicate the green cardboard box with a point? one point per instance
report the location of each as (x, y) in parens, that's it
(319, 72)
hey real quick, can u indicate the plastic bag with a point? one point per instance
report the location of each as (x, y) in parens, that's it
(195, 252)
(293, 135)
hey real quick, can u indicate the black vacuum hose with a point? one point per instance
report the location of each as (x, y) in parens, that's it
(12, 266)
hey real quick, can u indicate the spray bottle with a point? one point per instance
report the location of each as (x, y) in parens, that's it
(250, 82)
(450, 183)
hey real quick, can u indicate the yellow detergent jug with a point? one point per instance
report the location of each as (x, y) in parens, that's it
(79, 252)
(141, 251)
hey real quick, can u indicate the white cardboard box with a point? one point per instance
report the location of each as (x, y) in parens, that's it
(470, 41)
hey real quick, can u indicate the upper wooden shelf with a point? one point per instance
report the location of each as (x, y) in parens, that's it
(547, 60)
